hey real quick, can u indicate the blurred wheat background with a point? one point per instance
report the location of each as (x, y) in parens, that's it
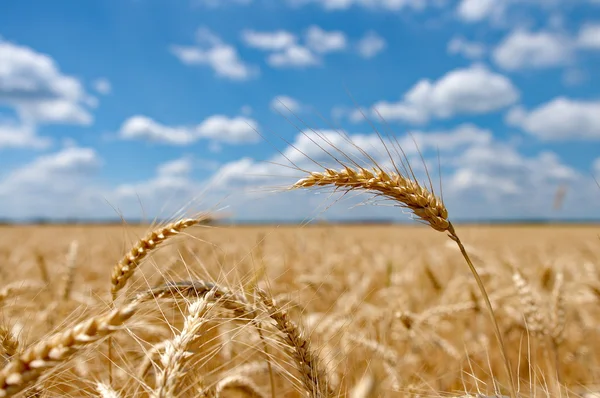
(389, 309)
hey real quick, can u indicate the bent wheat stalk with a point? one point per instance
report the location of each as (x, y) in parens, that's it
(24, 369)
(408, 193)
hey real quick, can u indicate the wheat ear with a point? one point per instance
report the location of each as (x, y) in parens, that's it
(312, 374)
(125, 268)
(176, 350)
(409, 194)
(35, 361)
(8, 343)
(406, 192)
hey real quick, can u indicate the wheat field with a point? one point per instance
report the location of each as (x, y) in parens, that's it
(290, 311)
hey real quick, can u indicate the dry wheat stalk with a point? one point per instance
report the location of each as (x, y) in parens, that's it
(558, 313)
(408, 193)
(199, 288)
(127, 265)
(312, 374)
(69, 274)
(36, 360)
(238, 382)
(176, 350)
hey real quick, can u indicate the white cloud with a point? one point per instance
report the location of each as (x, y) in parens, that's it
(144, 128)
(229, 130)
(286, 50)
(522, 49)
(370, 45)
(322, 41)
(468, 49)
(477, 10)
(60, 172)
(218, 55)
(285, 104)
(272, 41)
(102, 85)
(219, 128)
(473, 90)
(294, 56)
(390, 5)
(172, 180)
(589, 36)
(484, 178)
(15, 135)
(32, 83)
(177, 167)
(560, 119)
(495, 170)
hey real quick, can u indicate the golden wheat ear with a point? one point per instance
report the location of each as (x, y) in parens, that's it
(408, 193)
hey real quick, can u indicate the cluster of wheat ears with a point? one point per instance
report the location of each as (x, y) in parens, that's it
(355, 331)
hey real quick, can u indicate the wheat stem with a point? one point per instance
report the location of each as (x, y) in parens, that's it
(452, 234)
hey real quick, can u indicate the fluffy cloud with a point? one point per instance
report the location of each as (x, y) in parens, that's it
(370, 45)
(390, 5)
(32, 83)
(523, 49)
(16, 135)
(211, 51)
(172, 179)
(287, 50)
(54, 185)
(322, 41)
(285, 104)
(234, 130)
(495, 180)
(307, 150)
(269, 41)
(472, 90)
(144, 128)
(589, 37)
(468, 49)
(294, 56)
(478, 10)
(484, 178)
(560, 119)
(217, 128)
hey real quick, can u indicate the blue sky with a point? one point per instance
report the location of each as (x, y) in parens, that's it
(142, 107)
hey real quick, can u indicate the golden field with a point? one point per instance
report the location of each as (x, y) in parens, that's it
(380, 311)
